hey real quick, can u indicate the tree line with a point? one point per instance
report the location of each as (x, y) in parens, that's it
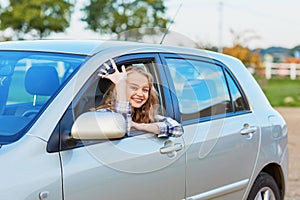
(40, 18)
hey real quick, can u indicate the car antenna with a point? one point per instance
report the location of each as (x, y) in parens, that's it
(168, 28)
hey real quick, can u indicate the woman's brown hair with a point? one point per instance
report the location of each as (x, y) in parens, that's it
(146, 113)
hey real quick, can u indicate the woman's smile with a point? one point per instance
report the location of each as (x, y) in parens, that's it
(137, 100)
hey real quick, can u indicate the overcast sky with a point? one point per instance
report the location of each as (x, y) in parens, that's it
(273, 22)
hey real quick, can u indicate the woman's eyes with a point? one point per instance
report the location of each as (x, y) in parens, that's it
(135, 88)
(145, 89)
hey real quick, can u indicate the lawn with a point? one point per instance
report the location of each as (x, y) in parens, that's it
(281, 92)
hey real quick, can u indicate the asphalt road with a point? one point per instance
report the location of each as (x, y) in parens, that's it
(292, 117)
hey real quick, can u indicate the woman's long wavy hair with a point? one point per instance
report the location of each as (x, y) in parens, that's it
(146, 113)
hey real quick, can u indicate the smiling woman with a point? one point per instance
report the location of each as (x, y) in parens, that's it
(134, 95)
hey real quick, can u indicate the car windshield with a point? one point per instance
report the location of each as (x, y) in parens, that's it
(28, 80)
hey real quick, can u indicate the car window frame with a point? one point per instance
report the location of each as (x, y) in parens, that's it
(60, 139)
(224, 68)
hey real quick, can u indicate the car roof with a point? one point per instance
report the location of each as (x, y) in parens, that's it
(60, 46)
(91, 47)
(85, 47)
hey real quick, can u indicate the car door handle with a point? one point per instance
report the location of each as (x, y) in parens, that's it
(171, 148)
(248, 130)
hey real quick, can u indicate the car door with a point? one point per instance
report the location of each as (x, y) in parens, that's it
(221, 132)
(138, 167)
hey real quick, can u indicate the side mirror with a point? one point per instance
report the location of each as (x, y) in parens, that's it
(99, 125)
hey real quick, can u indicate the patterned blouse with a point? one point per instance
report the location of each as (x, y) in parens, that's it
(167, 126)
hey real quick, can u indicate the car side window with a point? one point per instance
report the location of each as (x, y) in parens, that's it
(200, 87)
(238, 100)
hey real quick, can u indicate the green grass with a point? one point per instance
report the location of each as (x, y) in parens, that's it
(281, 92)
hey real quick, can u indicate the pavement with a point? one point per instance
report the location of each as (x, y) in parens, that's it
(292, 117)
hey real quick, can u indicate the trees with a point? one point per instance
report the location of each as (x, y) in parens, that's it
(36, 17)
(249, 58)
(116, 16)
(240, 50)
(39, 18)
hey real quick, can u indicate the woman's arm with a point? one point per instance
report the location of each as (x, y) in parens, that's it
(164, 128)
(121, 105)
(149, 127)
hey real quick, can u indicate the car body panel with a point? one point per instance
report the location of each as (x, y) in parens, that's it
(214, 152)
(133, 167)
(28, 170)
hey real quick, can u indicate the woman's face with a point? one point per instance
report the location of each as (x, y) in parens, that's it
(137, 89)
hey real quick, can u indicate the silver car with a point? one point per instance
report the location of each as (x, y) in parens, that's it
(53, 145)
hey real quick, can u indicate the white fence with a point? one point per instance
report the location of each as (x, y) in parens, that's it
(282, 69)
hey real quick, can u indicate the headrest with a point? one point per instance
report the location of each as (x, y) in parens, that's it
(41, 80)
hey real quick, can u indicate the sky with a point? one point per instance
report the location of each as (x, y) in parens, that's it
(260, 23)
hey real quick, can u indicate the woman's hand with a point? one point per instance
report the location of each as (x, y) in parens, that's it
(113, 73)
(117, 77)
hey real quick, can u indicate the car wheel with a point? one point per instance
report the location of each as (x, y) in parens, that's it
(264, 188)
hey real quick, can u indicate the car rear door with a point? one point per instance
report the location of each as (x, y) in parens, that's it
(221, 132)
(138, 167)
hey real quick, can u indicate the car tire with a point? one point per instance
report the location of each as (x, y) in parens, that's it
(264, 188)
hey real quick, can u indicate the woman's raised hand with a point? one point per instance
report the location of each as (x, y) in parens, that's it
(112, 73)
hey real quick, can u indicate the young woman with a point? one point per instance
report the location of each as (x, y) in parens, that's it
(134, 96)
